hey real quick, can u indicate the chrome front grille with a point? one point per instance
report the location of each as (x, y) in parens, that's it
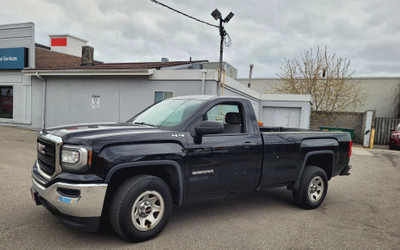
(48, 155)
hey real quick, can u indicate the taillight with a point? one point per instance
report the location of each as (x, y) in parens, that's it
(350, 145)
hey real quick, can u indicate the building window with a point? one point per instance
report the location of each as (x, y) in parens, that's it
(162, 95)
(6, 102)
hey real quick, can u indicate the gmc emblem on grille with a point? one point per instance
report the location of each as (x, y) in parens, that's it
(40, 148)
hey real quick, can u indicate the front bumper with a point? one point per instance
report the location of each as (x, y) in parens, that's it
(394, 143)
(77, 205)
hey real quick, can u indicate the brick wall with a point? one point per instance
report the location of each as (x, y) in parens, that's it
(352, 120)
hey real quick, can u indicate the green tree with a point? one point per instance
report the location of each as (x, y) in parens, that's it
(325, 77)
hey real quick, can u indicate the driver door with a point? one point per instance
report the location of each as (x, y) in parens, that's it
(225, 162)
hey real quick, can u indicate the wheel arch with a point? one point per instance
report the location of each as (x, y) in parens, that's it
(168, 171)
(324, 159)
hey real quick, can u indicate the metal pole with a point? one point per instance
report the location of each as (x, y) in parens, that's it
(371, 141)
(44, 100)
(250, 73)
(221, 48)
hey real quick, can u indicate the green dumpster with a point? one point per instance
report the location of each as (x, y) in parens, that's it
(349, 130)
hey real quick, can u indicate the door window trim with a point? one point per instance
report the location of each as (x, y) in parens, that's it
(240, 105)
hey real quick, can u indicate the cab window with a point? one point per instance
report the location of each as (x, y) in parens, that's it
(228, 114)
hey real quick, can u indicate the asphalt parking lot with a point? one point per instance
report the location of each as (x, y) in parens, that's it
(361, 211)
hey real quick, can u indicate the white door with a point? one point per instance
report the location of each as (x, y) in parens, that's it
(294, 117)
(281, 117)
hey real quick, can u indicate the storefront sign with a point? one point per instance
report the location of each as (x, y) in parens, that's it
(13, 58)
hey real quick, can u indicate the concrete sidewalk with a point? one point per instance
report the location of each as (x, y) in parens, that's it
(357, 149)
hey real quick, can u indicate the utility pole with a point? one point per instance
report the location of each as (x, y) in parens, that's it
(221, 52)
(217, 15)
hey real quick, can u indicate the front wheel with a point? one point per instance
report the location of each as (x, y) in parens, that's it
(140, 208)
(313, 188)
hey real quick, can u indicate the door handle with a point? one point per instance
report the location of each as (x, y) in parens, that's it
(249, 144)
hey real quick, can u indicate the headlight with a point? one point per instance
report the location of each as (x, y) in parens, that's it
(70, 156)
(74, 157)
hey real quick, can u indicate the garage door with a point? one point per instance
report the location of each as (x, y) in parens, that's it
(281, 117)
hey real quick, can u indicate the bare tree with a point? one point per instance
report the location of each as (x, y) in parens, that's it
(323, 76)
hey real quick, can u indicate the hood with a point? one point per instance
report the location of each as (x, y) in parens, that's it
(99, 135)
(92, 129)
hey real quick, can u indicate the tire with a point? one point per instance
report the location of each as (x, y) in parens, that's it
(312, 189)
(140, 208)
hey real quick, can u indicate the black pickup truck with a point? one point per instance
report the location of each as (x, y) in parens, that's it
(131, 174)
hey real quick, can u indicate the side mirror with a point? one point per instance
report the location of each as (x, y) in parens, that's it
(209, 127)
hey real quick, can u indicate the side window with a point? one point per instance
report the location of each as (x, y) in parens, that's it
(228, 114)
(162, 95)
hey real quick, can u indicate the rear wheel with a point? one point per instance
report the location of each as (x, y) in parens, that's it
(312, 189)
(140, 208)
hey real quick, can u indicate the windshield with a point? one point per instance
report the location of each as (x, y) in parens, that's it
(168, 113)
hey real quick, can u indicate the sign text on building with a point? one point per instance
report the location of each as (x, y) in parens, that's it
(13, 58)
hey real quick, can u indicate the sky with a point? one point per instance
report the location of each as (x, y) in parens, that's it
(263, 33)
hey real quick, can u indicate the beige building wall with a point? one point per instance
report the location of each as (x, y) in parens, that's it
(381, 92)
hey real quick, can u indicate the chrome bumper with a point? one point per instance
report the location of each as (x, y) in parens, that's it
(89, 202)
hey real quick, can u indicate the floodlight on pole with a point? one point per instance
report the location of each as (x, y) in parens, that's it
(228, 17)
(217, 15)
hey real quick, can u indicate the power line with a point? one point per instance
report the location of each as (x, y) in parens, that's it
(198, 20)
(227, 40)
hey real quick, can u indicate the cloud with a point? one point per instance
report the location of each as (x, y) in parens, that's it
(262, 32)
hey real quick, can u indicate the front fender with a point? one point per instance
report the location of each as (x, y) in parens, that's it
(119, 154)
(177, 170)
(161, 155)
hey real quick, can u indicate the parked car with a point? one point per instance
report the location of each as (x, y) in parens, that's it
(395, 138)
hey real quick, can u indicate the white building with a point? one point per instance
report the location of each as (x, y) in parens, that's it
(51, 86)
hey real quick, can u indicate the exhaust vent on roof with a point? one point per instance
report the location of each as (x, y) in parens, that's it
(87, 56)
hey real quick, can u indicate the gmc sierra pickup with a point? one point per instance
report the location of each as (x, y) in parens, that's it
(131, 174)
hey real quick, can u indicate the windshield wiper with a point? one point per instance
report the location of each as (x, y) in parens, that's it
(143, 123)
